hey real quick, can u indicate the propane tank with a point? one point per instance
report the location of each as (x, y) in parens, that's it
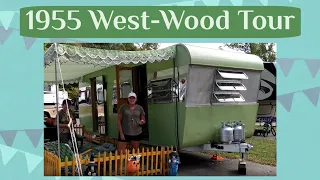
(226, 134)
(238, 132)
(244, 133)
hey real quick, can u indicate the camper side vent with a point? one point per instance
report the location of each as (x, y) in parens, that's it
(232, 74)
(229, 97)
(230, 85)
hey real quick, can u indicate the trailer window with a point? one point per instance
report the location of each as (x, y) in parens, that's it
(232, 74)
(162, 91)
(229, 97)
(230, 85)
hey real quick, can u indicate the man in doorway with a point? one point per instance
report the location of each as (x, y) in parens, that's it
(64, 120)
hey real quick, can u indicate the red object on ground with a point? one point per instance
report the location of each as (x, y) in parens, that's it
(217, 158)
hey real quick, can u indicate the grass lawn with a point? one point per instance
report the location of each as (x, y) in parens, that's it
(263, 152)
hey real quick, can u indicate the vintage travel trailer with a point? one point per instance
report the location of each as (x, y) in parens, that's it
(268, 93)
(186, 91)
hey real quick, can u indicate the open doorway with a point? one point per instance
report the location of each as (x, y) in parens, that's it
(140, 76)
(98, 105)
(133, 79)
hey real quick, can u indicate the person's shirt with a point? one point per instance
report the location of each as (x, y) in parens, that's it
(131, 119)
(64, 119)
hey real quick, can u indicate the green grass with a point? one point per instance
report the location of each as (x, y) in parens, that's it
(263, 152)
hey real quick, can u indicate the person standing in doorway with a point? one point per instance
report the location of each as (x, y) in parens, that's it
(64, 120)
(130, 120)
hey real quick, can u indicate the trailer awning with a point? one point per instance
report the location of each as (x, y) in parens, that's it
(75, 62)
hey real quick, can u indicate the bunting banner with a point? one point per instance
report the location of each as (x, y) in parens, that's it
(28, 41)
(313, 65)
(286, 65)
(312, 94)
(6, 18)
(33, 134)
(7, 153)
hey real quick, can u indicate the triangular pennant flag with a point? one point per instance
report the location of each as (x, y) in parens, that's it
(58, 40)
(199, 3)
(8, 136)
(313, 65)
(285, 65)
(28, 42)
(7, 153)
(210, 2)
(225, 3)
(6, 18)
(286, 100)
(237, 2)
(264, 2)
(32, 161)
(96, 178)
(34, 135)
(186, 3)
(84, 178)
(109, 178)
(4, 34)
(313, 95)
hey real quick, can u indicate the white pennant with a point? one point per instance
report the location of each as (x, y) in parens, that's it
(211, 2)
(183, 3)
(237, 2)
(6, 18)
(264, 2)
(32, 161)
(110, 178)
(7, 153)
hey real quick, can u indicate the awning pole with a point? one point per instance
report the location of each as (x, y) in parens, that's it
(57, 98)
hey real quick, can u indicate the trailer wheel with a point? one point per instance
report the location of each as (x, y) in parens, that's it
(264, 134)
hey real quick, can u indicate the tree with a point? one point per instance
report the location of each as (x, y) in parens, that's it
(73, 89)
(264, 50)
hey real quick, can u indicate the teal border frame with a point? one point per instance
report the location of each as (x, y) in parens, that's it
(21, 74)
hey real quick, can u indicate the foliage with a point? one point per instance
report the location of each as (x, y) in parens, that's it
(264, 50)
(73, 89)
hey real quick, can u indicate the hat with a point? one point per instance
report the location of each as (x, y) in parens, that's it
(132, 94)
